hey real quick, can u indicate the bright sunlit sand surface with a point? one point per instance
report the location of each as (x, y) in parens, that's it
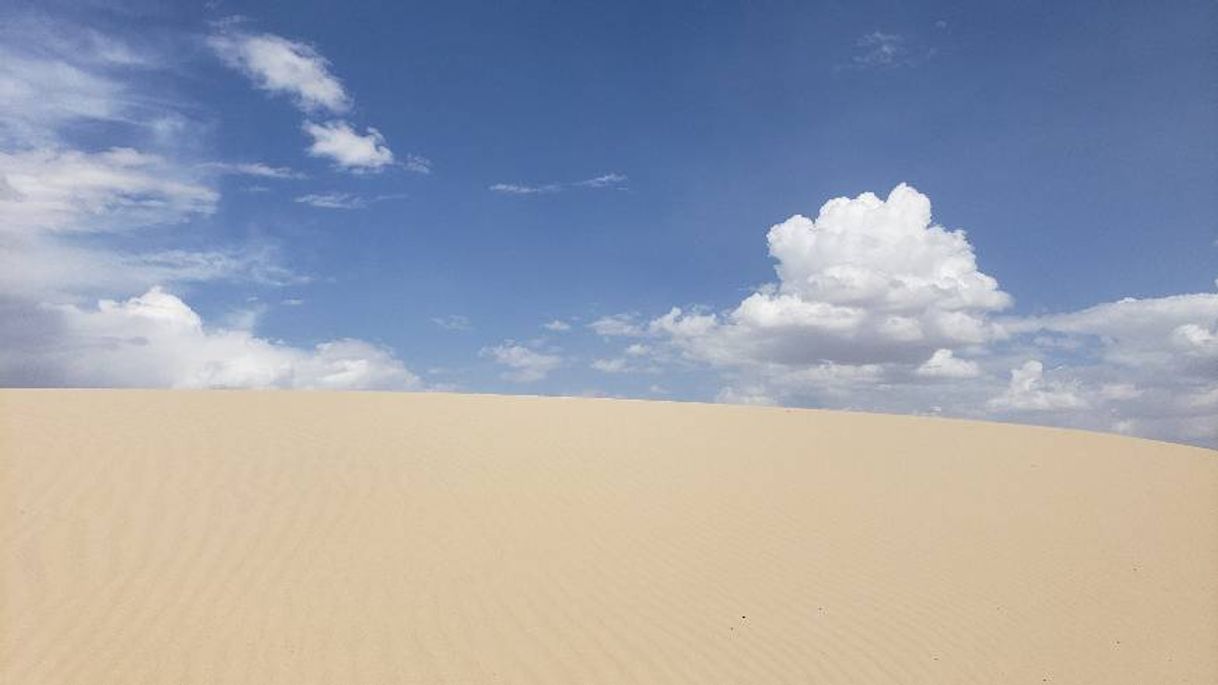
(271, 537)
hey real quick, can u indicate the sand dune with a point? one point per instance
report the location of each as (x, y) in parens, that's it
(267, 537)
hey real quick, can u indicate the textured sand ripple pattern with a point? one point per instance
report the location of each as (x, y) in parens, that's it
(265, 537)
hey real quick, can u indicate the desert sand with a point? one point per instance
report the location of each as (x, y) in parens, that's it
(295, 537)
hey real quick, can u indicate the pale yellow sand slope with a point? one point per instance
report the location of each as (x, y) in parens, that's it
(219, 537)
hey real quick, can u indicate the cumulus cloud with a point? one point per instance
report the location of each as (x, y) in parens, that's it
(525, 365)
(80, 224)
(1144, 366)
(868, 281)
(878, 307)
(348, 148)
(1029, 391)
(157, 340)
(944, 364)
(281, 66)
(557, 326)
(1133, 332)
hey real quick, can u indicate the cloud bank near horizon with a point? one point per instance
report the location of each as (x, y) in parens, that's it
(78, 225)
(876, 307)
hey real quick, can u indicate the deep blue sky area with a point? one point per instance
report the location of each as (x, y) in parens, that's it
(1076, 143)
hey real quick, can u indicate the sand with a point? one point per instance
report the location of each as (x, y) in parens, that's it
(274, 537)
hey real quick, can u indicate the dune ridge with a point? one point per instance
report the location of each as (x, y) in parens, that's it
(309, 537)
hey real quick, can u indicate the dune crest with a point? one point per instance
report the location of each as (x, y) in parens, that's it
(275, 537)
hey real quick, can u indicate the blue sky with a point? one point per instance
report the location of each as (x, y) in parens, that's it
(402, 196)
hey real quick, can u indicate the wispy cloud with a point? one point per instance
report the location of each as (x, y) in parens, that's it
(333, 201)
(340, 200)
(65, 190)
(524, 365)
(602, 181)
(256, 169)
(518, 189)
(879, 49)
(453, 322)
(72, 230)
(618, 326)
(279, 65)
(612, 180)
(417, 164)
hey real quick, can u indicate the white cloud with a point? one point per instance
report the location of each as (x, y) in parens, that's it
(453, 322)
(333, 201)
(614, 365)
(603, 181)
(39, 95)
(61, 208)
(1146, 364)
(519, 189)
(755, 396)
(867, 281)
(53, 74)
(156, 340)
(279, 65)
(944, 364)
(617, 325)
(417, 164)
(557, 326)
(50, 189)
(1132, 332)
(525, 365)
(256, 169)
(349, 149)
(879, 49)
(1029, 391)
(78, 224)
(611, 180)
(283, 66)
(50, 268)
(878, 308)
